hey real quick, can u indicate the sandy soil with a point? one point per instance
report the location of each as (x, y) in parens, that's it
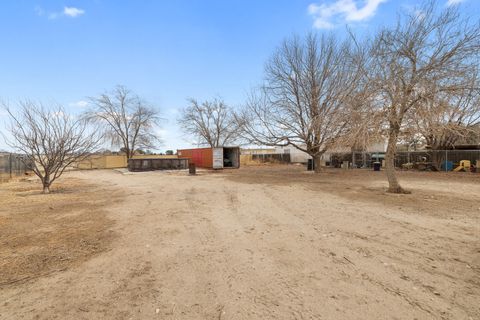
(42, 234)
(270, 243)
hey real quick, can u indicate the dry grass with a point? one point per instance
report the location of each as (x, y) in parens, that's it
(41, 234)
(5, 176)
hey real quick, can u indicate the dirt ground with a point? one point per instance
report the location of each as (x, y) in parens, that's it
(42, 234)
(255, 243)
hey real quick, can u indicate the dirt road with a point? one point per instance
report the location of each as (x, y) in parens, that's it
(268, 243)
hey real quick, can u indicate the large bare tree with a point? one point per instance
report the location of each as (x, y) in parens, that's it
(212, 122)
(126, 120)
(308, 96)
(427, 53)
(49, 139)
(446, 119)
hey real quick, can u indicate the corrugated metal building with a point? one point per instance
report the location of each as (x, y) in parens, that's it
(212, 158)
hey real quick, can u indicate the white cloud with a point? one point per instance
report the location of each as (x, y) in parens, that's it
(79, 104)
(70, 12)
(73, 12)
(454, 2)
(328, 15)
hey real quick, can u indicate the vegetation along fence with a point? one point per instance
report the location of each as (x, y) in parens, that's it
(12, 165)
(424, 159)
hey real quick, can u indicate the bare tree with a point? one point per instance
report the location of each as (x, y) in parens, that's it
(444, 119)
(427, 53)
(125, 119)
(211, 122)
(307, 99)
(49, 139)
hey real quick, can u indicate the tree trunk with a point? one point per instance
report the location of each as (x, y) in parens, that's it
(46, 184)
(393, 185)
(437, 158)
(317, 159)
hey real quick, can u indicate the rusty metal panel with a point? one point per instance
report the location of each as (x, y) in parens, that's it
(215, 158)
(201, 157)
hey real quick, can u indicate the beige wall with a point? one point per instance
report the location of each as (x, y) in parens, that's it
(92, 162)
(111, 162)
(115, 162)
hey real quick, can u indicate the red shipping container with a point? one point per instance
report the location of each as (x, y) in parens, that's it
(202, 157)
(218, 158)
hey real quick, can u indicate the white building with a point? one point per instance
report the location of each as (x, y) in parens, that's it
(296, 156)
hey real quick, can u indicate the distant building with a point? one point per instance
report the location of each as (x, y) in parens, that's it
(250, 151)
(296, 155)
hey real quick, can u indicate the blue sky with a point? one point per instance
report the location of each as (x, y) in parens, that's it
(166, 51)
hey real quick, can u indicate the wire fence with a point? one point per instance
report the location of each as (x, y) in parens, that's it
(424, 159)
(12, 165)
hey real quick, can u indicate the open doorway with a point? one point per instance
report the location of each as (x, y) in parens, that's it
(231, 157)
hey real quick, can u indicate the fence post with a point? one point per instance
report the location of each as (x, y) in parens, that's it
(10, 165)
(446, 160)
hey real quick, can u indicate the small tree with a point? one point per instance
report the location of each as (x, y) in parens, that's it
(425, 55)
(49, 139)
(211, 122)
(308, 96)
(125, 119)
